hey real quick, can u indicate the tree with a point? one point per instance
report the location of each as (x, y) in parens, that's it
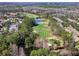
(56, 29)
(53, 42)
(4, 46)
(11, 38)
(54, 53)
(77, 45)
(40, 52)
(12, 41)
(25, 30)
(67, 38)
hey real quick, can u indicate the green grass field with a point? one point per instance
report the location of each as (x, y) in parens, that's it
(31, 15)
(42, 31)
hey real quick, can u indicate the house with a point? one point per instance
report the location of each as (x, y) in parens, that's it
(13, 27)
(39, 43)
(74, 31)
(1, 25)
(57, 19)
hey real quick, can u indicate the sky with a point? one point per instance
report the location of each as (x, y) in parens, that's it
(39, 0)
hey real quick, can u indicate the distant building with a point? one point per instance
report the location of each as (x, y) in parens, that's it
(42, 44)
(13, 27)
(1, 25)
(74, 31)
(57, 19)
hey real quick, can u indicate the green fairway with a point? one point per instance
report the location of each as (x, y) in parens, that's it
(31, 15)
(42, 31)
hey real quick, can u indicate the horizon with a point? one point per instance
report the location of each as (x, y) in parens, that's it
(39, 3)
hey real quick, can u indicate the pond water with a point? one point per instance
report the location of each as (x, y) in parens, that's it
(38, 21)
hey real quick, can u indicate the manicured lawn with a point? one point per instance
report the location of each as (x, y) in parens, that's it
(31, 15)
(42, 31)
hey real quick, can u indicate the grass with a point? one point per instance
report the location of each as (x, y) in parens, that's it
(42, 31)
(31, 15)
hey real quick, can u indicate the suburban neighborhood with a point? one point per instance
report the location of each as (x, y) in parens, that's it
(39, 29)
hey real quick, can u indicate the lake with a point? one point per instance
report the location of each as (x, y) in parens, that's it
(38, 21)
